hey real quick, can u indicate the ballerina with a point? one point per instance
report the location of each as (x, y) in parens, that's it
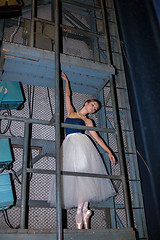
(79, 154)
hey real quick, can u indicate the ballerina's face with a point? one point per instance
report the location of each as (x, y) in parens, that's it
(92, 107)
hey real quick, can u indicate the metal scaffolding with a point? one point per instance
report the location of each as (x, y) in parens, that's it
(95, 76)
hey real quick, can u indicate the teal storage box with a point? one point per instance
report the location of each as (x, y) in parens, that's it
(6, 192)
(11, 95)
(6, 156)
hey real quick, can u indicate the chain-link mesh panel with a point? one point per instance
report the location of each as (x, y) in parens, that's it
(13, 217)
(43, 108)
(116, 169)
(107, 95)
(39, 186)
(42, 218)
(113, 142)
(119, 198)
(46, 162)
(42, 101)
(98, 220)
(122, 217)
(40, 104)
(43, 132)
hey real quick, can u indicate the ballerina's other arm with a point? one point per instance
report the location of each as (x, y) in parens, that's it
(100, 141)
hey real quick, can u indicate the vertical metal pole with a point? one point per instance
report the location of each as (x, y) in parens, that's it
(24, 178)
(95, 50)
(1, 29)
(33, 15)
(111, 216)
(53, 11)
(123, 166)
(103, 7)
(57, 124)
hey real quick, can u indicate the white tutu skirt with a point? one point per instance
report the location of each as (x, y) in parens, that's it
(80, 155)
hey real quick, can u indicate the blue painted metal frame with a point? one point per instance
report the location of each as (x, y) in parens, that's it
(75, 73)
(103, 234)
(1, 29)
(36, 67)
(102, 121)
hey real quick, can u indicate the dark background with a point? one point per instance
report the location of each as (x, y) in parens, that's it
(139, 23)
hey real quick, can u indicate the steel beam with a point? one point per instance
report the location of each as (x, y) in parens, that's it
(76, 20)
(23, 213)
(1, 30)
(81, 5)
(44, 171)
(33, 15)
(57, 123)
(85, 76)
(44, 122)
(103, 6)
(103, 234)
(102, 122)
(122, 161)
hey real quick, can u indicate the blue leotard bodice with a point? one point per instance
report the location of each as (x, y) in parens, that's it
(76, 121)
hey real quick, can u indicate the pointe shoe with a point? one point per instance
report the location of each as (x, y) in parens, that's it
(79, 221)
(86, 217)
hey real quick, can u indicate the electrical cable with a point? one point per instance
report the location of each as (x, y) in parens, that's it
(8, 127)
(7, 167)
(15, 175)
(144, 161)
(10, 167)
(30, 99)
(5, 214)
(49, 98)
(12, 133)
(124, 53)
(3, 169)
(8, 111)
(16, 29)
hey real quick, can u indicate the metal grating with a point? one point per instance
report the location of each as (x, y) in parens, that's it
(46, 162)
(42, 218)
(38, 98)
(39, 183)
(39, 187)
(13, 216)
(78, 48)
(122, 216)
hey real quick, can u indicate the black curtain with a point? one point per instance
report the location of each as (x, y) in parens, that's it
(140, 39)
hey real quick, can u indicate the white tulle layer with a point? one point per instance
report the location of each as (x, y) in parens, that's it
(80, 155)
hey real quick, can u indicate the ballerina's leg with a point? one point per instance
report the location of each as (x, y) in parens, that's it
(79, 217)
